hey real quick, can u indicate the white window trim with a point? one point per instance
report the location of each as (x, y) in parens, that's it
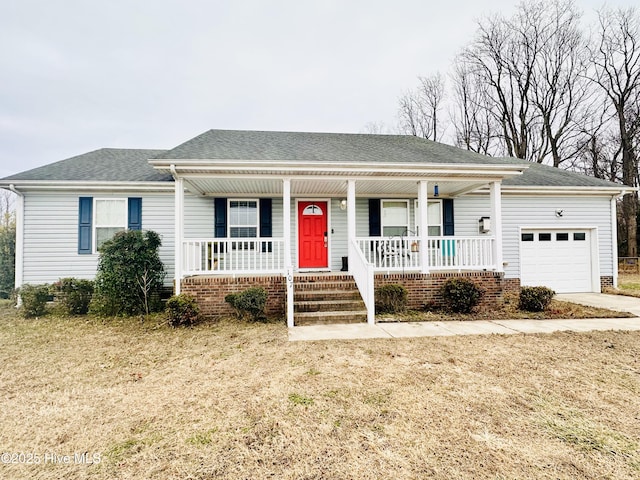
(94, 222)
(416, 214)
(229, 216)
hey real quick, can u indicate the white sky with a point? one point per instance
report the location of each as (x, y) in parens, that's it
(78, 75)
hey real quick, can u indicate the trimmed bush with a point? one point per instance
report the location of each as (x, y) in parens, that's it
(535, 299)
(251, 302)
(34, 300)
(73, 295)
(391, 298)
(461, 295)
(182, 310)
(130, 275)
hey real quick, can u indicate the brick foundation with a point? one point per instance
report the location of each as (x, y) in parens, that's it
(209, 292)
(424, 290)
(606, 282)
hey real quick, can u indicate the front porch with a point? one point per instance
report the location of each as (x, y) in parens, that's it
(368, 225)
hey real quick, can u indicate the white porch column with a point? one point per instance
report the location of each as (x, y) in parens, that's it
(179, 231)
(424, 228)
(614, 240)
(495, 194)
(286, 231)
(351, 210)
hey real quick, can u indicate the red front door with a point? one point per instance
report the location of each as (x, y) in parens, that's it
(313, 236)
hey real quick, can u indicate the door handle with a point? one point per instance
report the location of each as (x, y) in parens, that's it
(326, 240)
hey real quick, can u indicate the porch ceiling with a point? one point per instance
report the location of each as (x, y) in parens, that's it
(224, 186)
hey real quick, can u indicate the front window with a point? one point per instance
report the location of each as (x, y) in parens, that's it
(243, 218)
(395, 218)
(434, 217)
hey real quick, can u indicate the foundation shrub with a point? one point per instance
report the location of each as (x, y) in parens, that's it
(72, 295)
(460, 295)
(535, 299)
(391, 298)
(251, 302)
(34, 299)
(182, 310)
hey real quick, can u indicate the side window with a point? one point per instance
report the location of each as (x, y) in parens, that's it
(109, 217)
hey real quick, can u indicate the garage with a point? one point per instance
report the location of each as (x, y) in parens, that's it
(558, 259)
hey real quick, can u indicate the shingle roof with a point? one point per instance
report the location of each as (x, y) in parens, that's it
(321, 147)
(538, 175)
(131, 165)
(103, 165)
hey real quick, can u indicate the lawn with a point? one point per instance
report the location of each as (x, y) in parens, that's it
(237, 400)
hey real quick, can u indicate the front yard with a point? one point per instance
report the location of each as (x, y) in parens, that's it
(237, 400)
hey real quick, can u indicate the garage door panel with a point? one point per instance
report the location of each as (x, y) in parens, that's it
(558, 259)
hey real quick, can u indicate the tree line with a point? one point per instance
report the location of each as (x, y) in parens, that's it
(540, 86)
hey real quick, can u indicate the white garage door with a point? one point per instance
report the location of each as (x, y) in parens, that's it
(558, 259)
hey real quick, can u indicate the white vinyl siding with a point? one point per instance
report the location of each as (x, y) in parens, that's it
(51, 234)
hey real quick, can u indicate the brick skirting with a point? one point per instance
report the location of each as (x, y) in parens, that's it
(209, 292)
(424, 289)
(606, 282)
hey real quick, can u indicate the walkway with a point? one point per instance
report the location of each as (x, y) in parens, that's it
(483, 327)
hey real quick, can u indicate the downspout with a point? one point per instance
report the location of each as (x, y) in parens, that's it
(19, 265)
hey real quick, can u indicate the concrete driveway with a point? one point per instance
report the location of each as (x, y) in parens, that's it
(620, 303)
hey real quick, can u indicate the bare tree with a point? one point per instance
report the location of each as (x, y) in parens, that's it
(616, 58)
(7, 206)
(418, 110)
(474, 124)
(431, 91)
(377, 128)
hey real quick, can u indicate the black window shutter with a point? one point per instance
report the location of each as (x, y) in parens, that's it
(447, 217)
(266, 229)
(135, 213)
(85, 218)
(375, 224)
(220, 227)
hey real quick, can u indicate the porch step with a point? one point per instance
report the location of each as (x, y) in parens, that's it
(327, 318)
(327, 299)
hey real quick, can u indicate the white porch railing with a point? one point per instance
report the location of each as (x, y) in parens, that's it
(233, 255)
(444, 253)
(362, 271)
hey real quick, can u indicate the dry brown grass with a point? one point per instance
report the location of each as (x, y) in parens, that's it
(236, 400)
(628, 284)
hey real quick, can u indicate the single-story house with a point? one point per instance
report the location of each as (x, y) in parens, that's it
(321, 219)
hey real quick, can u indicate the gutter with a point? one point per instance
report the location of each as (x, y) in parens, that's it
(19, 265)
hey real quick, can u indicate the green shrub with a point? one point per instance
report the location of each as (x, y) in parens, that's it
(182, 310)
(391, 298)
(130, 275)
(34, 300)
(535, 299)
(461, 295)
(250, 302)
(73, 295)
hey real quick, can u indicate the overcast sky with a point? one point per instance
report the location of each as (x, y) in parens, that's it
(79, 75)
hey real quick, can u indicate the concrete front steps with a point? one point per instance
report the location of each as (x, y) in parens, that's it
(322, 299)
